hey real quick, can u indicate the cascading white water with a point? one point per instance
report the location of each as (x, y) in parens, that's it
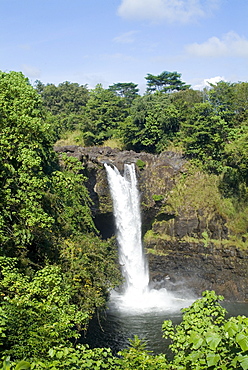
(126, 204)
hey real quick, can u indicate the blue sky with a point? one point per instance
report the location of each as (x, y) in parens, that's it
(110, 41)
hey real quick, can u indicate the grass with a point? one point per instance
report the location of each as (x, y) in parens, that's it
(156, 252)
(150, 236)
(76, 138)
(71, 138)
(114, 143)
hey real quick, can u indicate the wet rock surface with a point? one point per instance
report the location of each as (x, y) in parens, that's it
(198, 267)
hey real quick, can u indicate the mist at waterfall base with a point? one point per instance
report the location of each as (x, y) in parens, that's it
(136, 295)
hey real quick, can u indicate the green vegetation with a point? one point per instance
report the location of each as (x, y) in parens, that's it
(127, 90)
(141, 164)
(104, 112)
(152, 122)
(157, 197)
(205, 339)
(55, 271)
(201, 194)
(165, 82)
(54, 274)
(65, 104)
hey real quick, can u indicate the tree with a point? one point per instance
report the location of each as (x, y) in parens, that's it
(26, 161)
(222, 98)
(53, 270)
(165, 82)
(37, 310)
(39, 200)
(234, 181)
(185, 99)
(204, 135)
(65, 102)
(152, 122)
(241, 102)
(127, 90)
(104, 113)
(67, 97)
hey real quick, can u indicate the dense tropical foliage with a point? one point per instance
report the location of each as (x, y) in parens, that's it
(54, 274)
(55, 271)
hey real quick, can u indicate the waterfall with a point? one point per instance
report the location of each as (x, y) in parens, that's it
(126, 205)
(136, 295)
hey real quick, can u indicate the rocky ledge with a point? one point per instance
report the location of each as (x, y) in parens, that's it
(194, 267)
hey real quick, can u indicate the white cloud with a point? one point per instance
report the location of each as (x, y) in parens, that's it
(231, 45)
(207, 81)
(181, 11)
(126, 38)
(31, 71)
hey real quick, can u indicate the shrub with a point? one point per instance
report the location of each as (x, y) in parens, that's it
(141, 165)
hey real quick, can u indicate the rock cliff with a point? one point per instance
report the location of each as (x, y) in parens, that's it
(185, 233)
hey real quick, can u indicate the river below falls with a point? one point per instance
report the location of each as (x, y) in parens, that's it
(114, 327)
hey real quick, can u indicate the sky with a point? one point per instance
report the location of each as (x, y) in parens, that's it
(111, 41)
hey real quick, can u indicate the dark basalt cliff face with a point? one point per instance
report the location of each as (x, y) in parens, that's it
(188, 248)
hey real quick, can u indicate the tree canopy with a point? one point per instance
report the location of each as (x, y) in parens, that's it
(165, 82)
(26, 162)
(65, 103)
(152, 122)
(104, 113)
(127, 90)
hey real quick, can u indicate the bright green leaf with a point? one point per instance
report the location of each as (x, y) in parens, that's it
(213, 359)
(213, 339)
(22, 365)
(242, 340)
